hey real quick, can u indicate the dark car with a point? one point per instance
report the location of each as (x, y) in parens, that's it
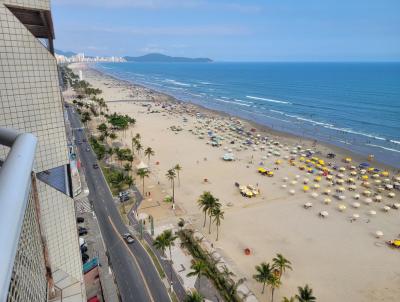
(128, 238)
(82, 231)
(84, 249)
(80, 219)
(95, 166)
(85, 257)
(84, 140)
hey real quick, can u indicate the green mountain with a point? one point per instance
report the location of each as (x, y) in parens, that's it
(157, 57)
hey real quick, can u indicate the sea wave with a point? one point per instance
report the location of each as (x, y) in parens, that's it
(177, 83)
(267, 100)
(385, 148)
(231, 102)
(395, 142)
(356, 132)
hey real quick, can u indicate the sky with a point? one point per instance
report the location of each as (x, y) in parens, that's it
(247, 30)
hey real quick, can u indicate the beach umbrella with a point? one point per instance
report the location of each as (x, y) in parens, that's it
(342, 197)
(308, 205)
(387, 180)
(368, 200)
(297, 176)
(314, 194)
(342, 169)
(351, 180)
(285, 179)
(385, 173)
(284, 186)
(340, 189)
(353, 173)
(352, 187)
(366, 184)
(324, 214)
(317, 178)
(391, 195)
(396, 206)
(356, 196)
(397, 178)
(377, 181)
(306, 180)
(372, 212)
(292, 192)
(375, 176)
(355, 216)
(316, 186)
(367, 193)
(339, 181)
(327, 192)
(378, 234)
(378, 198)
(306, 188)
(364, 177)
(341, 207)
(340, 175)
(386, 208)
(356, 205)
(329, 177)
(293, 182)
(327, 200)
(353, 167)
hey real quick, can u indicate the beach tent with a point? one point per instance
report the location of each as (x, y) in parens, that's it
(141, 166)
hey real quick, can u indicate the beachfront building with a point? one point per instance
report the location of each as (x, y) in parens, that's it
(49, 263)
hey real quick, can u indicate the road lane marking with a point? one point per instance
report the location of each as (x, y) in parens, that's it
(134, 258)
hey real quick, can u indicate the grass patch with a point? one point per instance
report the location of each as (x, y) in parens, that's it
(155, 260)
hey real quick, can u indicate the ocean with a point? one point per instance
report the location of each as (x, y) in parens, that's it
(352, 105)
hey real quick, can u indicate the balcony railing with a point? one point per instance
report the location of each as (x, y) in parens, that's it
(15, 186)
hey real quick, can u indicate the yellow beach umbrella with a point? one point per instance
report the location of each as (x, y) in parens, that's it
(317, 179)
(306, 188)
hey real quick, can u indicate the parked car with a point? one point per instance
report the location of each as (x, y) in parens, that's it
(84, 249)
(84, 140)
(80, 219)
(128, 238)
(85, 257)
(82, 231)
(95, 166)
(87, 149)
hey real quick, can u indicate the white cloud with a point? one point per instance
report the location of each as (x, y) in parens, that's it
(216, 30)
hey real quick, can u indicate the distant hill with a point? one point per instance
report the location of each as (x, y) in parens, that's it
(65, 53)
(157, 57)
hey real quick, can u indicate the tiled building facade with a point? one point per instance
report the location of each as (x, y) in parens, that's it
(30, 101)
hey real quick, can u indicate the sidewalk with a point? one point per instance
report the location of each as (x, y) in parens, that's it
(96, 247)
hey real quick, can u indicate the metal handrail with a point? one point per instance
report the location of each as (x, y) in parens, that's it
(15, 185)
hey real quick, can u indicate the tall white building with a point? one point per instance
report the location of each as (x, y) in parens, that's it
(30, 101)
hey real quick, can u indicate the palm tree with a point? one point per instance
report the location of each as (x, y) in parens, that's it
(281, 264)
(285, 299)
(199, 268)
(218, 215)
(233, 286)
(178, 168)
(171, 176)
(214, 206)
(273, 282)
(194, 297)
(149, 152)
(263, 273)
(139, 147)
(129, 181)
(163, 241)
(142, 173)
(127, 167)
(305, 294)
(205, 203)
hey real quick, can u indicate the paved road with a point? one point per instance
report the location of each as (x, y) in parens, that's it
(136, 276)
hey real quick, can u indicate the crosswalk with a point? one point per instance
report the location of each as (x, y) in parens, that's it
(83, 205)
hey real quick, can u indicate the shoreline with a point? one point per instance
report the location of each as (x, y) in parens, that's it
(260, 127)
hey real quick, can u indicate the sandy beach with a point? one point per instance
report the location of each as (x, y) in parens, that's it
(339, 255)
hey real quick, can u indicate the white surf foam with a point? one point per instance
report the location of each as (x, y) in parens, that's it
(385, 148)
(267, 100)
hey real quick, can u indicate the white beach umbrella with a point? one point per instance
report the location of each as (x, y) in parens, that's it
(356, 196)
(339, 181)
(324, 214)
(297, 176)
(372, 212)
(363, 171)
(353, 173)
(388, 187)
(314, 194)
(340, 189)
(340, 175)
(316, 186)
(327, 192)
(396, 206)
(356, 205)
(306, 180)
(285, 179)
(292, 192)
(378, 234)
(308, 205)
(352, 187)
(378, 198)
(342, 197)
(391, 195)
(386, 208)
(355, 216)
(342, 169)
(341, 207)
(367, 193)
(375, 175)
(377, 181)
(366, 184)
(368, 200)
(283, 186)
(293, 182)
